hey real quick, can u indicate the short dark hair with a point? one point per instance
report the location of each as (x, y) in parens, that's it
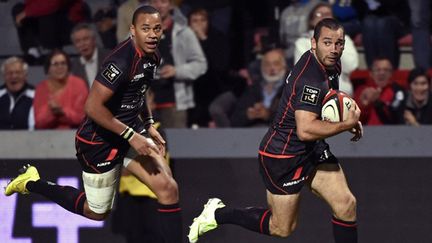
(417, 72)
(145, 9)
(50, 56)
(330, 23)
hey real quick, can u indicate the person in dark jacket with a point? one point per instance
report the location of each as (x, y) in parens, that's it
(16, 96)
(418, 105)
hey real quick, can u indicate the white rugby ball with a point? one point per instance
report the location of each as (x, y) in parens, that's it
(335, 106)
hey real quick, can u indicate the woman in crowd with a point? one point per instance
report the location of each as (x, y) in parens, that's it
(59, 99)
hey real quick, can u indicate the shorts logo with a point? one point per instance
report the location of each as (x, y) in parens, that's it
(310, 95)
(111, 73)
(295, 182)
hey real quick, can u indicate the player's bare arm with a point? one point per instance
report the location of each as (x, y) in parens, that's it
(310, 127)
(95, 108)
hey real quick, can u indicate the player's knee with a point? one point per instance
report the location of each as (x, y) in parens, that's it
(282, 231)
(347, 206)
(167, 190)
(95, 216)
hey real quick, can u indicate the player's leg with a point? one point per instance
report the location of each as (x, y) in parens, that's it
(156, 174)
(67, 197)
(283, 183)
(330, 184)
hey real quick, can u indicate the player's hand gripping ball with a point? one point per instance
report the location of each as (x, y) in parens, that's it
(335, 106)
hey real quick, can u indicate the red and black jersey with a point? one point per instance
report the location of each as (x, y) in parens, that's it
(304, 89)
(128, 73)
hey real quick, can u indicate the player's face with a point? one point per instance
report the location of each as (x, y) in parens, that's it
(329, 47)
(420, 88)
(147, 32)
(14, 76)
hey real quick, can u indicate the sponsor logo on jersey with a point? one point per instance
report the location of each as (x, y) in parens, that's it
(310, 95)
(111, 73)
(146, 65)
(137, 77)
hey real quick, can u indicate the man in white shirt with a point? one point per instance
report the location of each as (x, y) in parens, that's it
(91, 57)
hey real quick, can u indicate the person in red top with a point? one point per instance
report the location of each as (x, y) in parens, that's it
(59, 99)
(380, 99)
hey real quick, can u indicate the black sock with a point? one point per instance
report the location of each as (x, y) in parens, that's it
(344, 231)
(255, 219)
(68, 197)
(171, 222)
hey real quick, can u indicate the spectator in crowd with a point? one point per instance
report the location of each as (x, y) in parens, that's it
(253, 105)
(16, 96)
(183, 61)
(257, 106)
(215, 46)
(418, 105)
(46, 24)
(383, 23)
(349, 59)
(293, 22)
(420, 29)
(90, 56)
(105, 20)
(380, 99)
(59, 99)
(124, 13)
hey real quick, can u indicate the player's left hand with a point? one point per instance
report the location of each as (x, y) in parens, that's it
(357, 131)
(157, 138)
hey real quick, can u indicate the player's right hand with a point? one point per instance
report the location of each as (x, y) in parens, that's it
(353, 115)
(143, 146)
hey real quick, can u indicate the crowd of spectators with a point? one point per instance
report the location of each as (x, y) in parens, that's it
(223, 62)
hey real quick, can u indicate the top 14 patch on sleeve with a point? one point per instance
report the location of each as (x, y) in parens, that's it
(310, 95)
(111, 73)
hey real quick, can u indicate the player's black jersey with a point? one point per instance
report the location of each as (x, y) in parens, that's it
(304, 89)
(128, 73)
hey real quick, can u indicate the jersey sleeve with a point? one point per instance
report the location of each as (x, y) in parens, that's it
(309, 96)
(113, 72)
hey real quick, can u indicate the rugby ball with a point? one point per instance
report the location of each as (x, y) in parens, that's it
(335, 106)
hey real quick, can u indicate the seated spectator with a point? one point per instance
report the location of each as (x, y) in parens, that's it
(59, 100)
(349, 59)
(256, 106)
(90, 56)
(418, 105)
(216, 50)
(46, 24)
(383, 23)
(380, 99)
(106, 26)
(16, 96)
